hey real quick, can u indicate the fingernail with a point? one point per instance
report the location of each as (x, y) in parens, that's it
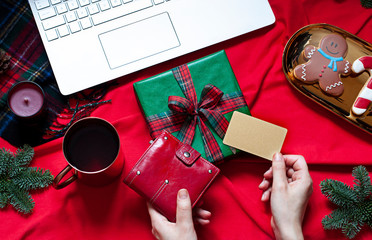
(277, 157)
(183, 194)
(261, 183)
(263, 196)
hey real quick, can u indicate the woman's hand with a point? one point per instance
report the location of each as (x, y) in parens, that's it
(288, 186)
(183, 229)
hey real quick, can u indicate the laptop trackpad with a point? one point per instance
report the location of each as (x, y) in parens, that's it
(139, 40)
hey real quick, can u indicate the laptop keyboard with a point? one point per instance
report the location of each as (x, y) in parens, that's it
(62, 18)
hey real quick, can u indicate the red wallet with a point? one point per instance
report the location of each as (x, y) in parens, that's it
(167, 166)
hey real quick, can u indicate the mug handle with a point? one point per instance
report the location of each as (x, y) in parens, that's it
(60, 175)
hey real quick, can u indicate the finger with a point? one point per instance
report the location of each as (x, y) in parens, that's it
(155, 216)
(290, 172)
(264, 185)
(269, 173)
(202, 222)
(202, 213)
(184, 209)
(158, 221)
(266, 195)
(297, 162)
(279, 171)
(300, 167)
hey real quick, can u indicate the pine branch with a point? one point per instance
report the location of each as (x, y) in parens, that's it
(3, 199)
(33, 178)
(366, 3)
(355, 203)
(344, 219)
(338, 192)
(24, 156)
(335, 220)
(5, 158)
(16, 179)
(351, 230)
(20, 199)
(362, 182)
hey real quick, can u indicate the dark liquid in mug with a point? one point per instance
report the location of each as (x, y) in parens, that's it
(92, 146)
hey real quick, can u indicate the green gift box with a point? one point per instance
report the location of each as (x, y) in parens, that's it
(205, 93)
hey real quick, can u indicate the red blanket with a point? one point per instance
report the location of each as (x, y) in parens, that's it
(331, 146)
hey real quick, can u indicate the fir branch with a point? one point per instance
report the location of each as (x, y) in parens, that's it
(33, 178)
(351, 229)
(3, 200)
(366, 3)
(24, 156)
(338, 192)
(355, 203)
(335, 220)
(16, 179)
(5, 158)
(362, 185)
(20, 199)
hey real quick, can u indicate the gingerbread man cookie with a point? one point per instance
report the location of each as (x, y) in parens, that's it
(325, 64)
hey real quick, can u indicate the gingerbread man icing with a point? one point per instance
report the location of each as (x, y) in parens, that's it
(325, 64)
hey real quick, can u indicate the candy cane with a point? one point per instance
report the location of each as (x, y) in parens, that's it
(365, 95)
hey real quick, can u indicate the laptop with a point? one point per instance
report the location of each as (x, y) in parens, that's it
(89, 42)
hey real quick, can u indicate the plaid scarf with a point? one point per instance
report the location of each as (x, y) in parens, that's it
(20, 38)
(185, 113)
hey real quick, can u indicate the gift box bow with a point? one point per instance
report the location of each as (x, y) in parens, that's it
(185, 113)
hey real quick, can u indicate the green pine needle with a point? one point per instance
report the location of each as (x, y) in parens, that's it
(16, 179)
(33, 178)
(355, 203)
(338, 192)
(366, 3)
(24, 156)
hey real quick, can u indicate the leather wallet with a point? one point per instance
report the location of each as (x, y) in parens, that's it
(167, 166)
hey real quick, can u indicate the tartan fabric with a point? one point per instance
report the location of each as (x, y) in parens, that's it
(185, 113)
(20, 38)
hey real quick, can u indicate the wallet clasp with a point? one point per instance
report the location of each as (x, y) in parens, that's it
(187, 154)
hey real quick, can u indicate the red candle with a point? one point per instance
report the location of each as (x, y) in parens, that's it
(26, 99)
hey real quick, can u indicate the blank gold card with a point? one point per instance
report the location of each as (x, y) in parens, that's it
(254, 135)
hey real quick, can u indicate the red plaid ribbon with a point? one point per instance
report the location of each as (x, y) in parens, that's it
(185, 113)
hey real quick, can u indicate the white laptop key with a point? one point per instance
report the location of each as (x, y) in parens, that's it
(113, 38)
(82, 12)
(72, 4)
(53, 22)
(61, 8)
(54, 2)
(85, 23)
(51, 35)
(93, 9)
(63, 31)
(71, 16)
(74, 27)
(123, 10)
(104, 5)
(84, 2)
(40, 4)
(115, 3)
(47, 13)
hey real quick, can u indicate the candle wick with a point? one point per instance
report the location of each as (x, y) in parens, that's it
(26, 100)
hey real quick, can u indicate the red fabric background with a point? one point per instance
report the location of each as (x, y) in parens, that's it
(331, 146)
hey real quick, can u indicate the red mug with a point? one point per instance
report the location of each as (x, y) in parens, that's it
(92, 149)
